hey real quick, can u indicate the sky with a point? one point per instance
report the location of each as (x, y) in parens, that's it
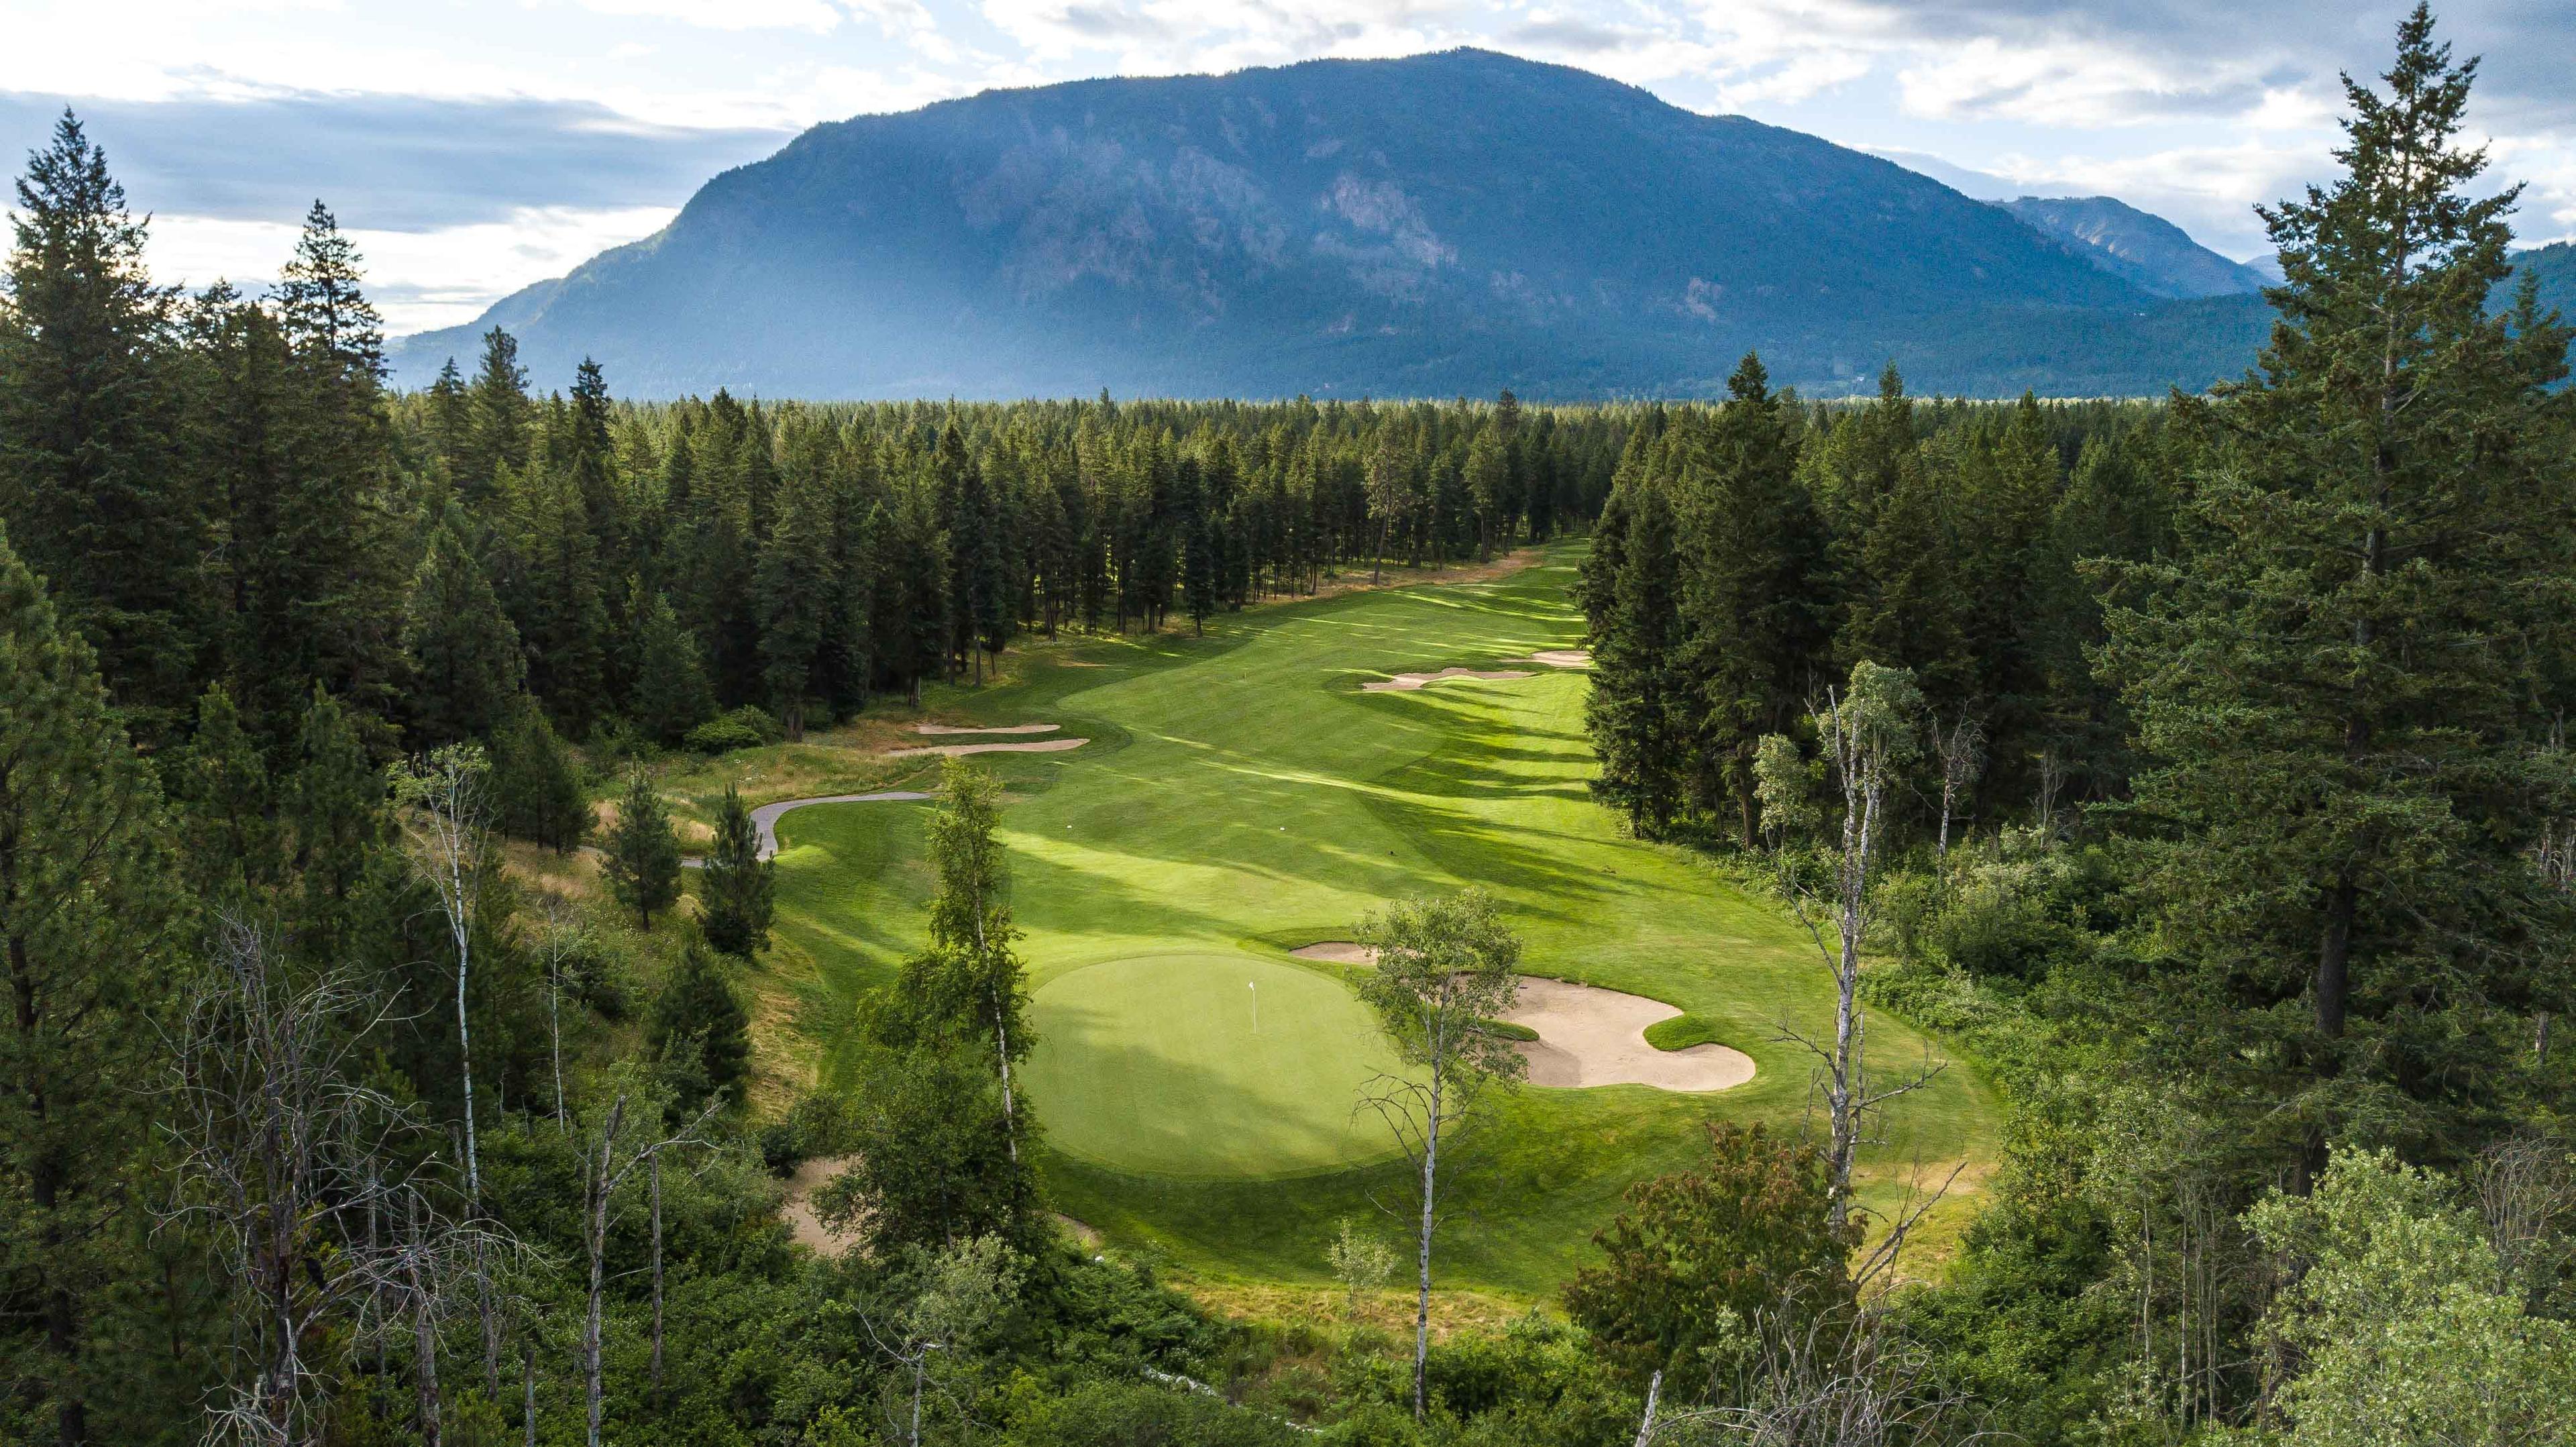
(474, 146)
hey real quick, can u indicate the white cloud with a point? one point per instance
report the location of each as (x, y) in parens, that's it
(421, 280)
(815, 15)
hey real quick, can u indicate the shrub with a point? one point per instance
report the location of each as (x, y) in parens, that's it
(745, 728)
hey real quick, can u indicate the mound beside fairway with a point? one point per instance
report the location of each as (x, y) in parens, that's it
(1156, 1066)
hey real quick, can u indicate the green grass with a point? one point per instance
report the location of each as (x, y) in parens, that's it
(1242, 794)
(1267, 1055)
(1684, 1031)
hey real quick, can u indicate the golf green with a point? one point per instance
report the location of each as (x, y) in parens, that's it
(1206, 1065)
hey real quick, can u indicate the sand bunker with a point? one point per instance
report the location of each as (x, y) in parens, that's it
(1013, 729)
(807, 1227)
(1051, 746)
(765, 818)
(1340, 952)
(1563, 657)
(1407, 681)
(1592, 1036)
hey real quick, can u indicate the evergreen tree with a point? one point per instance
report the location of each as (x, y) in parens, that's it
(794, 587)
(737, 887)
(332, 804)
(497, 417)
(1641, 712)
(465, 657)
(671, 693)
(220, 793)
(2349, 682)
(643, 855)
(1748, 536)
(451, 418)
(536, 783)
(89, 483)
(700, 1035)
(292, 432)
(89, 925)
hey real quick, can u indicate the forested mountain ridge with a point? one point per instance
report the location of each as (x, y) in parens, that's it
(2146, 250)
(1422, 227)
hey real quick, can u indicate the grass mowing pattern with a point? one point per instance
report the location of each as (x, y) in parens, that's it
(1241, 790)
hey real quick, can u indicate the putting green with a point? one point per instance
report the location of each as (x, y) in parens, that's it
(1159, 1066)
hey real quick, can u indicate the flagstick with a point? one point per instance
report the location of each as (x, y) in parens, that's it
(1255, 988)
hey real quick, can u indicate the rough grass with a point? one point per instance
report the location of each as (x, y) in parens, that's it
(1681, 1032)
(1241, 794)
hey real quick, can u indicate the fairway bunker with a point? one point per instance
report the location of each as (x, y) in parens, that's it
(1563, 657)
(1049, 746)
(1406, 682)
(1591, 1036)
(1037, 728)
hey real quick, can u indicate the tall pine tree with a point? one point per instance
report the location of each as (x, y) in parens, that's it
(2348, 686)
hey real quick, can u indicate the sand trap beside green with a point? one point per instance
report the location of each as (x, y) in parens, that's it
(1156, 1066)
(1032, 728)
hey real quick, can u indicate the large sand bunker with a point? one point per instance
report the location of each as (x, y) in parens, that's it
(1050, 746)
(1405, 682)
(802, 1223)
(1340, 952)
(1592, 1036)
(1563, 657)
(1012, 729)
(765, 818)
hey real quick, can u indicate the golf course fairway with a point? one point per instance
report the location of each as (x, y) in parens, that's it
(1242, 795)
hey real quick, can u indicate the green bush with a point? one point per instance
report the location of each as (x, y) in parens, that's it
(1508, 1030)
(747, 727)
(1682, 1032)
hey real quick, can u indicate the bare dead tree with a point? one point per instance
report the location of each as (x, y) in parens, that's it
(1962, 751)
(1445, 971)
(656, 1172)
(561, 934)
(2526, 1195)
(446, 836)
(283, 1164)
(1868, 734)
(2052, 778)
(1838, 1379)
(609, 1157)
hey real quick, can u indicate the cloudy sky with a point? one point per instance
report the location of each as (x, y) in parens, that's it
(474, 146)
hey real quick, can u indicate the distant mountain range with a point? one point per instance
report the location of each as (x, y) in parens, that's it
(1444, 224)
(2145, 250)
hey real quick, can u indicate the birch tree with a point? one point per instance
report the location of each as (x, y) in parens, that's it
(1445, 972)
(447, 839)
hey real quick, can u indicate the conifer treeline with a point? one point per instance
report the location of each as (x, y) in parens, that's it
(1749, 554)
(814, 555)
(242, 504)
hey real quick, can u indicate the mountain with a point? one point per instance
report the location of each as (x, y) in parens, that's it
(2553, 269)
(2145, 250)
(1443, 224)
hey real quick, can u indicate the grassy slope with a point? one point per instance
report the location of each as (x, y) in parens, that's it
(1243, 794)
